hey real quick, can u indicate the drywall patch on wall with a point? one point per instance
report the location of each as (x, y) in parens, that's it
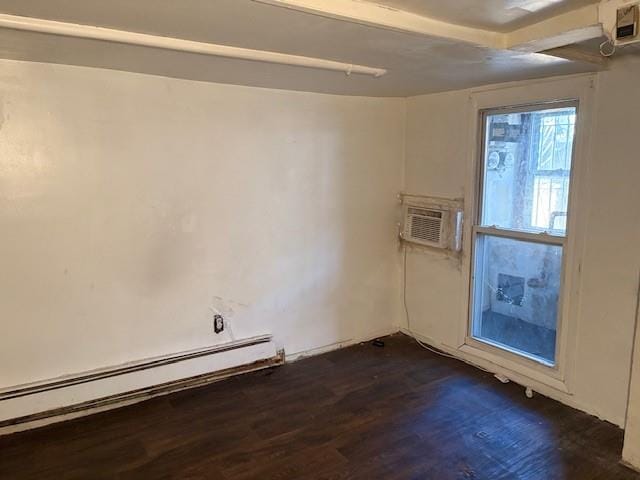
(132, 205)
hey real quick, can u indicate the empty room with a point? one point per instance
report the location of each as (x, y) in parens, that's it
(320, 239)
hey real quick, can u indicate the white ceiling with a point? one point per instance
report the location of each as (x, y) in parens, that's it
(496, 15)
(416, 64)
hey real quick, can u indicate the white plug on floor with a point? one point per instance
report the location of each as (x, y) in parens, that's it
(528, 391)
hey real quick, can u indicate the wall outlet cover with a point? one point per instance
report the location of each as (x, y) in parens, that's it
(218, 323)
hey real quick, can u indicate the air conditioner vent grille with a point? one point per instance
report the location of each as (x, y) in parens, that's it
(426, 228)
(432, 222)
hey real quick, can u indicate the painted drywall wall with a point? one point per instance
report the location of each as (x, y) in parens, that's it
(631, 452)
(438, 153)
(134, 207)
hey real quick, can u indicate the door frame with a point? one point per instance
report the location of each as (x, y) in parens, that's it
(535, 95)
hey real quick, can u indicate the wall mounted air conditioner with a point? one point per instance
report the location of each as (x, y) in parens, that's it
(425, 226)
(432, 222)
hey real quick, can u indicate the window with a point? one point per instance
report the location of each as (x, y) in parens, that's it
(527, 170)
(517, 272)
(552, 146)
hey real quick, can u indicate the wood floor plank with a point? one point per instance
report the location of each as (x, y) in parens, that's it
(398, 413)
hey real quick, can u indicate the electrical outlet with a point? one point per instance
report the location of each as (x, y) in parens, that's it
(218, 323)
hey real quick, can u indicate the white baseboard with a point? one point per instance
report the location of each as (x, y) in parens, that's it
(55, 400)
(631, 455)
(32, 405)
(631, 464)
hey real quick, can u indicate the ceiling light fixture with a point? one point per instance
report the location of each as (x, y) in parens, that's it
(52, 27)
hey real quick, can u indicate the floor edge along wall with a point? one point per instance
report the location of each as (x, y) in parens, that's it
(34, 405)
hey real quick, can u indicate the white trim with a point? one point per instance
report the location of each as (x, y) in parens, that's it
(578, 88)
(21, 427)
(542, 237)
(229, 359)
(52, 27)
(516, 362)
(125, 368)
(126, 401)
(633, 464)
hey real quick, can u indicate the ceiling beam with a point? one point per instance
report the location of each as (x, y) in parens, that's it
(378, 16)
(565, 29)
(575, 54)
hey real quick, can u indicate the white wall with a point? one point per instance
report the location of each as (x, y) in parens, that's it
(437, 157)
(631, 453)
(132, 205)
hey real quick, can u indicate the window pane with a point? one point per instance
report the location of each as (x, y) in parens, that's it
(550, 195)
(516, 291)
(527, 163)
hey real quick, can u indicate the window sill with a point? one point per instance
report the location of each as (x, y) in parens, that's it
(521, 368)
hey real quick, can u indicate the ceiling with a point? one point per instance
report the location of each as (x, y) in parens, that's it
(416, 64)
(496, 15)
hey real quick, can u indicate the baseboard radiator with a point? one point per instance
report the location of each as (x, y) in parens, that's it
(35, 404)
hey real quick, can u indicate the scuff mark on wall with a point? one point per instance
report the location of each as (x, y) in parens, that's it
(452, 259)
(228, 309)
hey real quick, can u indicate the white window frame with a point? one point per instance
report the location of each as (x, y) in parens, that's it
(545, 238)
(552, 174)
(535, 95)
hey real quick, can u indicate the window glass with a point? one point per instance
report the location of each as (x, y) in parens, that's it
(527, 165)
(517, 288)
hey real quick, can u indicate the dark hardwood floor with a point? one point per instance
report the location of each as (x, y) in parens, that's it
(398, 412)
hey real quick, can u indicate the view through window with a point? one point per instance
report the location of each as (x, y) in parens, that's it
(525, 177)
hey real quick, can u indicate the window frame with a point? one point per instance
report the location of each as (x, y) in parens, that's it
(560, 382)
(555, 370)
(480, 173)
(536, 172)
(496, 347)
